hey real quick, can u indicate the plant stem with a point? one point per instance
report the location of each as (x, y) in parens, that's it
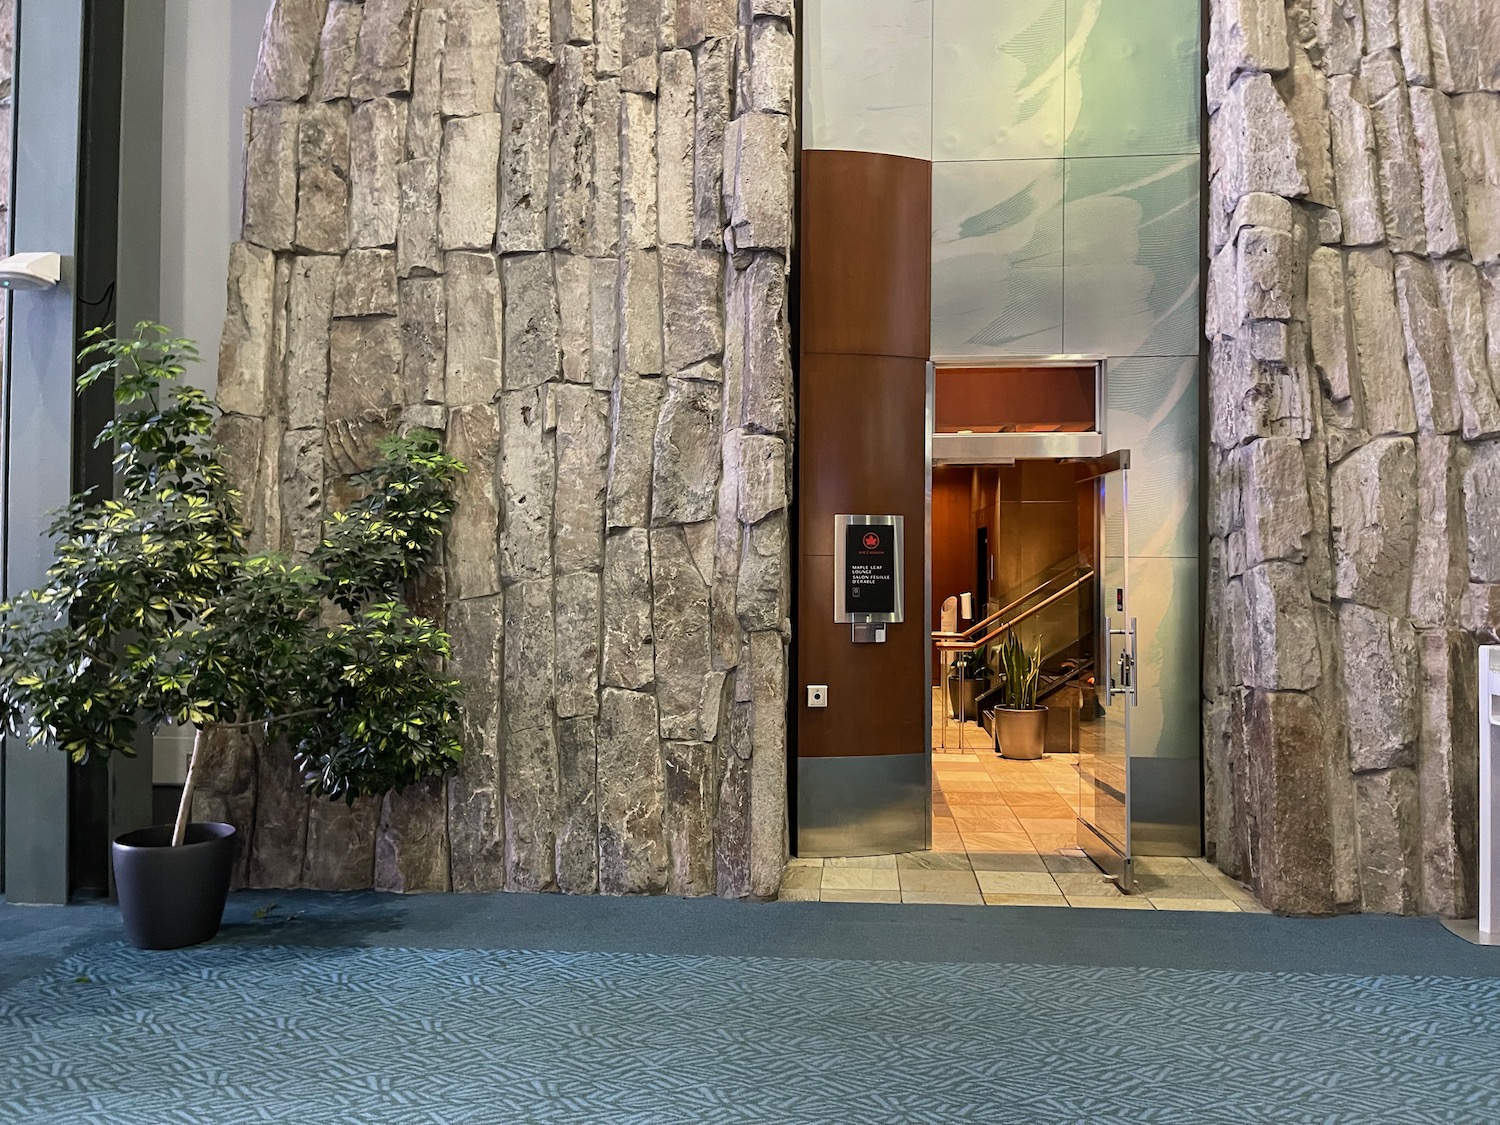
(184, 807)
(272, 719)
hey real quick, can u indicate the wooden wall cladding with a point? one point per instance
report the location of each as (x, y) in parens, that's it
(865, 254)
(863, 442)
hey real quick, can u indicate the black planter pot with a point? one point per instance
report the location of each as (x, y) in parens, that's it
(173, 897)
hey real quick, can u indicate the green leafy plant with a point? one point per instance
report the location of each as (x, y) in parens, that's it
(1023, 673)
(154, 609)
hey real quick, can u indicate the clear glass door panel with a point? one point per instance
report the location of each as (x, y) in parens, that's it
(1104, 735)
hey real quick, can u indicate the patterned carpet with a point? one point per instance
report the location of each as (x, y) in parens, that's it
(232, 1033)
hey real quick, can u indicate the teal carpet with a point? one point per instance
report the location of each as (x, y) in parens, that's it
(279, 1022)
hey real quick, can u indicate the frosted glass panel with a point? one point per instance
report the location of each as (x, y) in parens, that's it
(1131, 256)
(1134, 71)
(1164, 600)
(997, 279)
(998, 78)
(867, 69)
(1153, 412)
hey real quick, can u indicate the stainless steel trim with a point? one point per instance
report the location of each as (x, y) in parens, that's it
(841, 615)
(1061, 359)
(1005, 448)
(1117, 864)
(1135, 664)
(868, 805)
(1101, 401)
(931, 408)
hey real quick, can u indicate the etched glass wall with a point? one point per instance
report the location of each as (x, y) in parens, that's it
(1066, 217)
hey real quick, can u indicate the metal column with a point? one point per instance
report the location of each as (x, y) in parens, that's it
(38, 430)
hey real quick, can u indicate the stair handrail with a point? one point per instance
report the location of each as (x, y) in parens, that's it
(1003, 610)
(956, 645)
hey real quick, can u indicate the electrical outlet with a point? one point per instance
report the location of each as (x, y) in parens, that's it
(817, 695)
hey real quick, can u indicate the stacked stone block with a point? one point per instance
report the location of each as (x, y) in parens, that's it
(1354, 465)
(558, 231)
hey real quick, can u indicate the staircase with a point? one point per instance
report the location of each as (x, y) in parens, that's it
(1067, 660)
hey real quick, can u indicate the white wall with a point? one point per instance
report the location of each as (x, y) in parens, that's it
(210, 51)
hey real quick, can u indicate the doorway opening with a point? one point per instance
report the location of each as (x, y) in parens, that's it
(1032, 674)
(1014, 609)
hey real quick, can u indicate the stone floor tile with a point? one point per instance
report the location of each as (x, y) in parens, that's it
(999, 842)
(798, 894)
(1070, 864)
(855, 894)
(970, 821)
(1025, 788)
(801, 878)
(886, 861)
(1024, 900)
(862, 879)
(932, 861)
(957, 786)
(1008, 861)
(1165, 865)
(1222, 905)
(800, 861)
(1083, 885)
(948, 898)
(950, 842)
(1017, 883)
(981, 799)
(1119, 902)
(914, 879)
(1178, 886)
(1045, 842)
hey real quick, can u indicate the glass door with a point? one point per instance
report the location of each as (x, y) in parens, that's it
(1104, 728)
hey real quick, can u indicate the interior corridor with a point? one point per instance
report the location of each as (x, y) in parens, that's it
(1004, 833)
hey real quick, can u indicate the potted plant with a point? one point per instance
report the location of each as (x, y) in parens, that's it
(968, 679)
(1020, 725)
(155, 611)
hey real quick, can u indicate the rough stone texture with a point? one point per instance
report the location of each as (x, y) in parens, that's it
(685, 479)
(675, 121)
(467, 182)
(424, 121)
(470, 58)
(546, 228)
(376, 143)
(386, 38)
(271, 132)
(572, 87)
(523, 161)
(631, 795)
(1354, 352)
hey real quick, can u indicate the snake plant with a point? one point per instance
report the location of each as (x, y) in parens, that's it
(1023, 673)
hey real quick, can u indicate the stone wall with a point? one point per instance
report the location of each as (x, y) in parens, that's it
(557, 231)
(1354, 561)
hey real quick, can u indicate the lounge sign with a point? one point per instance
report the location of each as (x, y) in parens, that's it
(868, 569)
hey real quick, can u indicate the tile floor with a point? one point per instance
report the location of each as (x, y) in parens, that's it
(1004, 833)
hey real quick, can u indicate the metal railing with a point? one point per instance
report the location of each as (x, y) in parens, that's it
(955, 643)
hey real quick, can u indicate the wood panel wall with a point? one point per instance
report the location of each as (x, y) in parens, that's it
(865, 244)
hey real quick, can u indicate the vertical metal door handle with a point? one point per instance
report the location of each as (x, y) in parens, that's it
(1121, 672)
